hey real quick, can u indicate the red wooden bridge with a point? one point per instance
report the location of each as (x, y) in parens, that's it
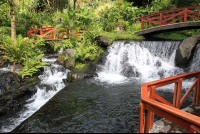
(49, 33)
(170, 20)
(155, 104)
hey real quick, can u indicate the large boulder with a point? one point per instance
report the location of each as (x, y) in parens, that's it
(67, 58)
(185, 51)
(103, 41)
(14, 91)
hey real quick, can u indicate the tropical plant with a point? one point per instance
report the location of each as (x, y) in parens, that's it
(32, 65)
(21, 50)
(69, 20)
(64, 45)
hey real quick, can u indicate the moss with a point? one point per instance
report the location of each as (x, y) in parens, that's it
(121, 36)
(171, 36)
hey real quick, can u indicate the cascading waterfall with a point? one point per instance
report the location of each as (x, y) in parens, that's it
(51, 83)
(146, 59)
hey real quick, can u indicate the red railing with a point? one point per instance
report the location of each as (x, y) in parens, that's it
(49, 33)
(170, 16)
(155, 104)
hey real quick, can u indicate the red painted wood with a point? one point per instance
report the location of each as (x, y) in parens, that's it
(188, 92)
(185, 12)
(49, 33)
(194, 129)
(168, 11)
(175, 93)
(142, 26)
(175, 20)
(177, 116)
(160, 19)
(163, 100)
(185, 15)
(141, 126)
(166, 109)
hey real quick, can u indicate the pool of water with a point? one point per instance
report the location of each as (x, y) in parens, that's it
(91, 106)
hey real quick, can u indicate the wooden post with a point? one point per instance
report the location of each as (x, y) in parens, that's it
(147, 121)
(175, 93)
(149, 23)
(141, 123)
(160, 19)
(178, 98)
(142, 27)
(152, 96)
(198, 91)
(185, 15)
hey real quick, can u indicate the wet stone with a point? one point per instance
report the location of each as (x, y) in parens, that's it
(166, 129)
(159, 123)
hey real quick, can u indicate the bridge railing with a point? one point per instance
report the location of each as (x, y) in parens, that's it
(49, 33)
(152, 103)
(170, 16)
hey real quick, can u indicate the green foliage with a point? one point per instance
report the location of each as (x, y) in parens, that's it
(88, 49)
(69, 20)
(24, 51)
(64, 45)
(4, 31)
(32, 65)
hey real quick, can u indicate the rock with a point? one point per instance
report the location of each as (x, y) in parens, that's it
(17, 68)
(185, 51)
(119, 29)
(103, 41)
(129, 71)
(71, 76)
(14, 91)
(67, 58)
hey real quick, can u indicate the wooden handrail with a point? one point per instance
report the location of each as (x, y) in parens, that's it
(163, 18)
(148, 95)
(168, 11)
(50, 33)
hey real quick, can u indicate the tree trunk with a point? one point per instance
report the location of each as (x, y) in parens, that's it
(13, 26)
(13, 21)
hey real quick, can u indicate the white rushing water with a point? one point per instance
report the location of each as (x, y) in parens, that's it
(146, 60)
(51, 83)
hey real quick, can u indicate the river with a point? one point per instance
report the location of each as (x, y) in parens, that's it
(107, 103)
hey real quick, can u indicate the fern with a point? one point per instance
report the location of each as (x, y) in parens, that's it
(32, 65)
(23, 51)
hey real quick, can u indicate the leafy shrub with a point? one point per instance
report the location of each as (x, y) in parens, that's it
(23, 51)
(32, 65)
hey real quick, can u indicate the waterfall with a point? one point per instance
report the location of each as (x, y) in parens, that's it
(51, 82)
(142, 59)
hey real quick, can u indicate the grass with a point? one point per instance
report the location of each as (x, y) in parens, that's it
(121, 36)
(172, 36)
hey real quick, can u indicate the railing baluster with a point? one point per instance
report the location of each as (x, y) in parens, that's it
(185, 15)
(142, 22)
(160, 19)
(195, 95)
(198, 91)
(141, 118)
(153, 92)
(149, 23)
(147, 121)
(175, 93)
(178, 98)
